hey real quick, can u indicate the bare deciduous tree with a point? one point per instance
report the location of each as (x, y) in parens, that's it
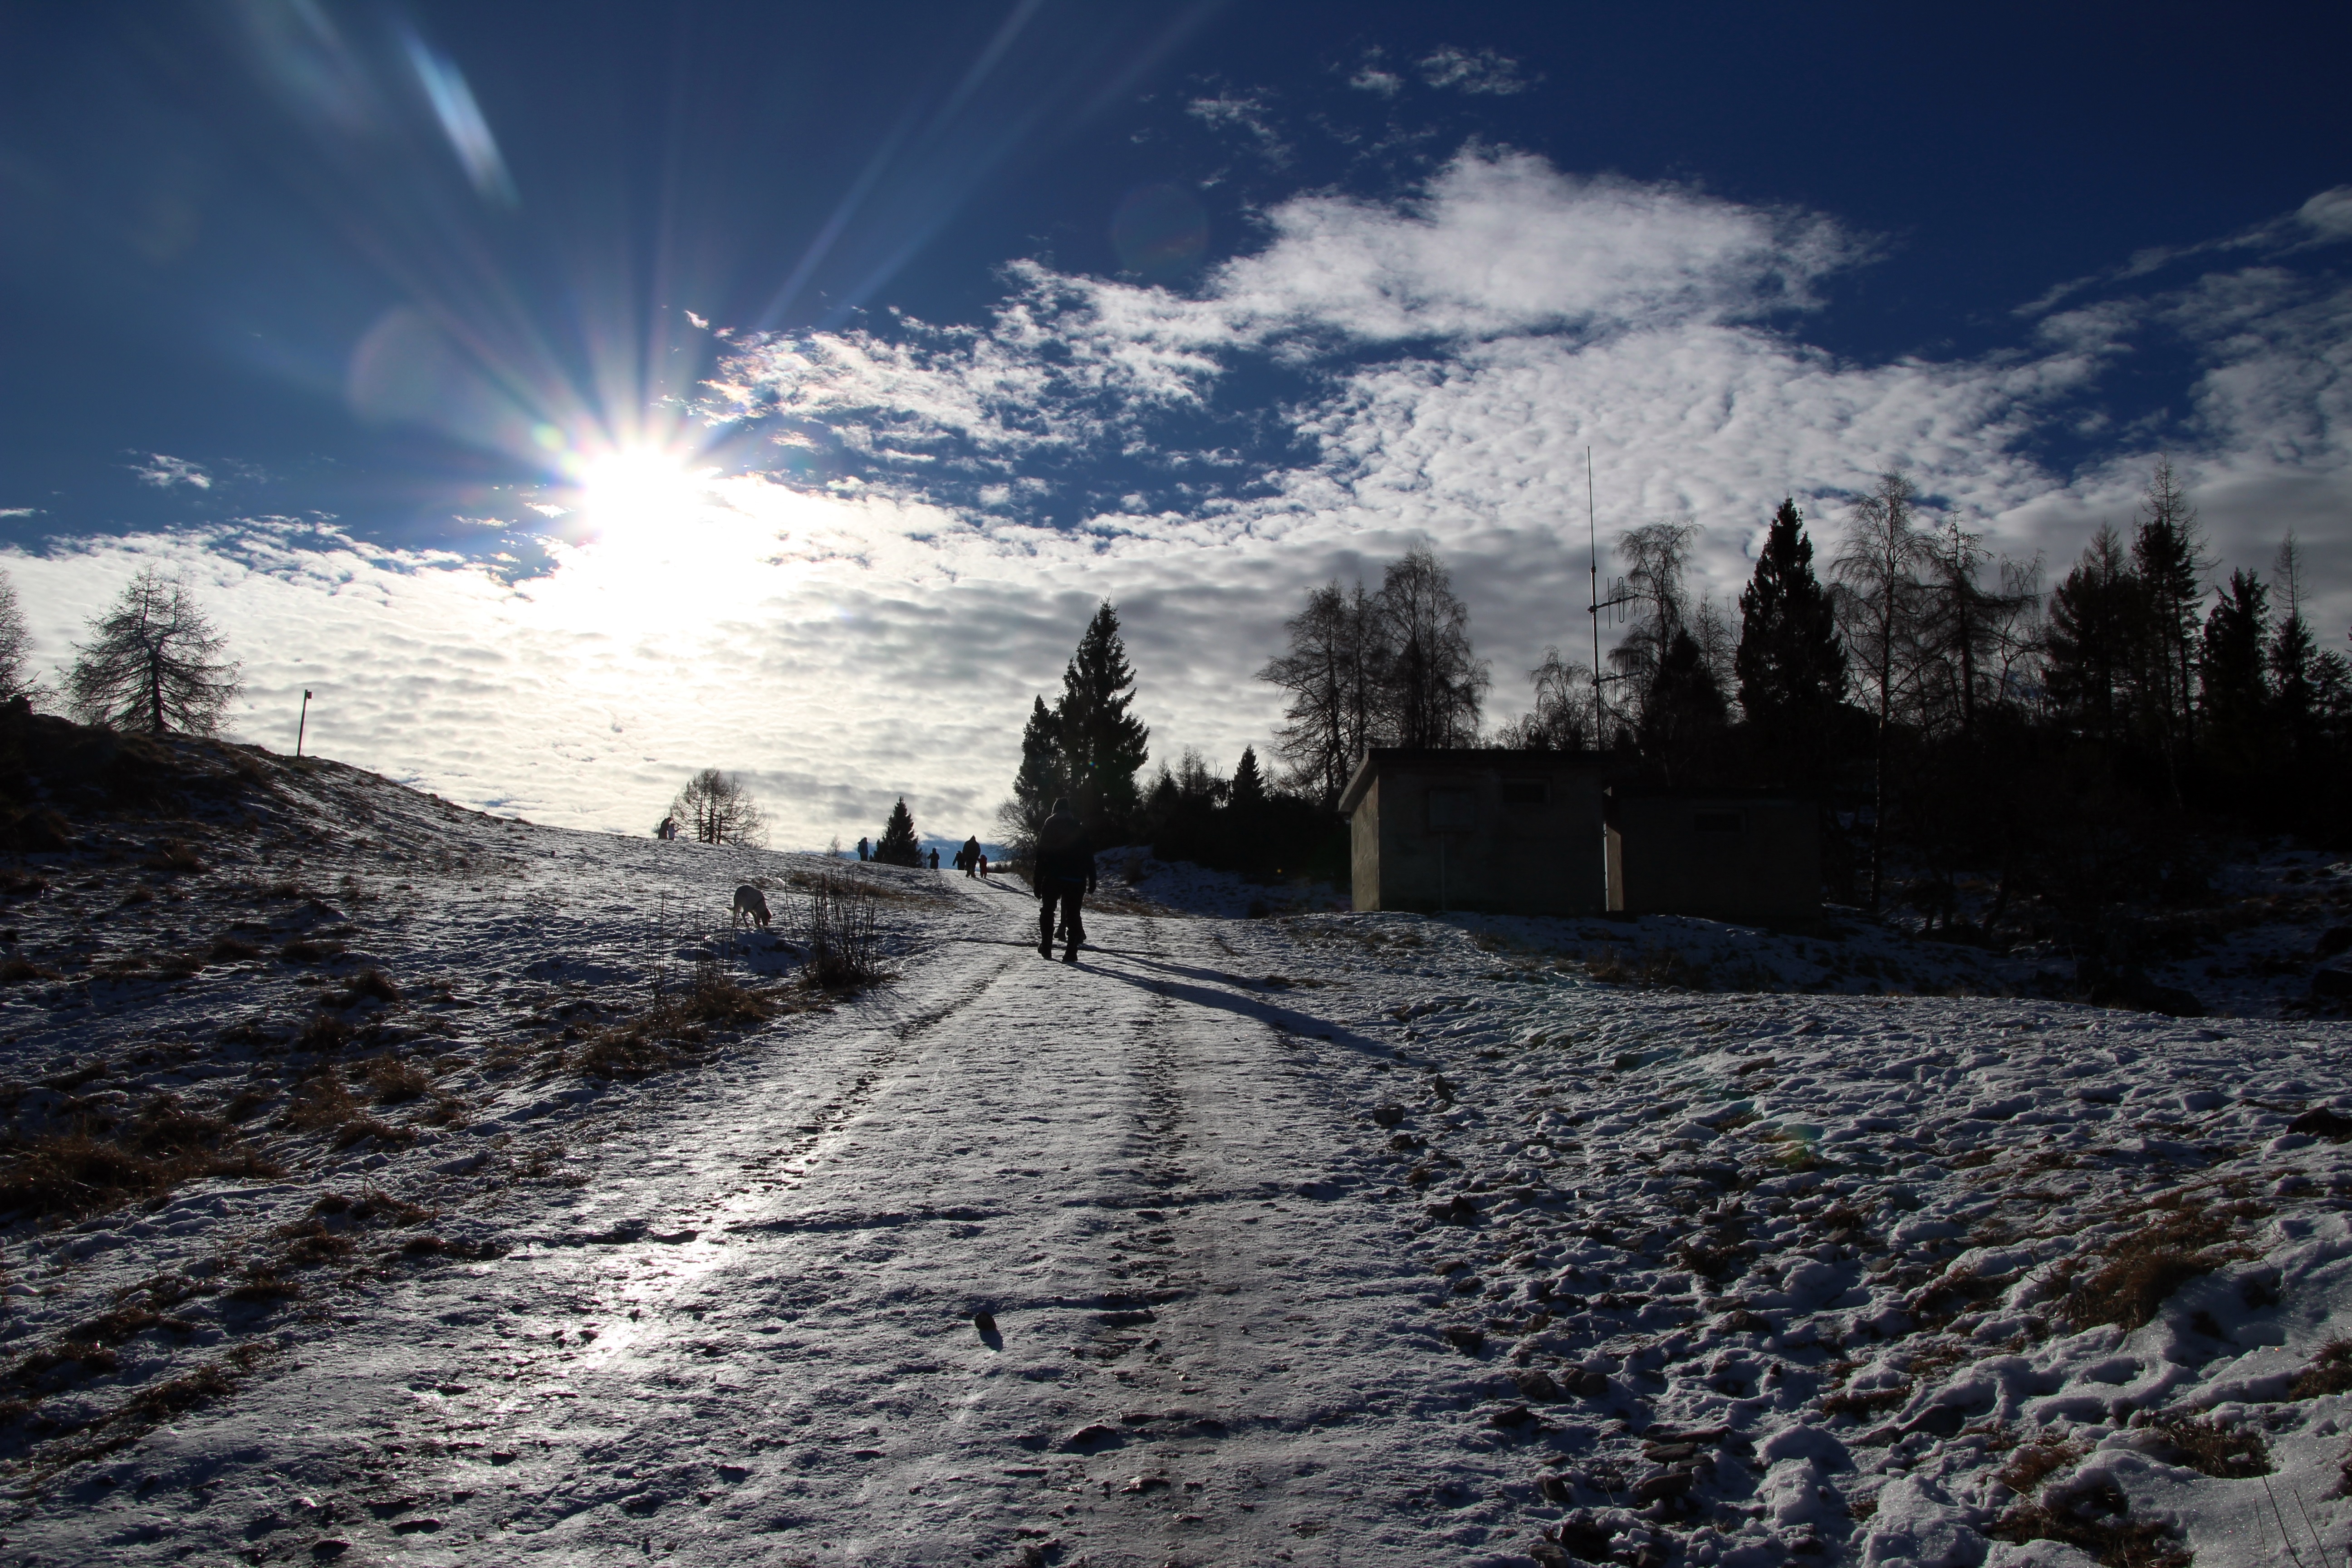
(153, 662)
(15, 643)
(1436, 684)
(1332, 672)
(1878, 572)
(715, 808)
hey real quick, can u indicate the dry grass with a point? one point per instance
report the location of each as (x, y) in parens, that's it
(2330, 1372)
(2098, 1520)
(1859, 1402)
(2232, 1452)
(175, 858)
(86, 1170)
(307, 950)
(2143, 1269)
(324, 1035)
(1660, 967)
(367, 986)
(19, 972)
(319, 1102)
(395, 1079)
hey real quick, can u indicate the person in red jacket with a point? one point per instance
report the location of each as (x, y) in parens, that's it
(1064, 876)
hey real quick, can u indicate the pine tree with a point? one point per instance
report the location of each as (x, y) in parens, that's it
(1039, 782)
(900, 847)
(1683, 711)
(2293, 662)
(2166, 557)
(2095, 618)
(1248, 788)
(1791, 663)
(153, 662)
(2236, 688)
(1103, 746)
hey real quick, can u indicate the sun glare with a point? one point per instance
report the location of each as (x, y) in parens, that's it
(632, 487)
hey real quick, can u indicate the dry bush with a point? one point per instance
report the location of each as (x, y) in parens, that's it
(321, 1101)
(84, 1171)
(2035, 1462)
(394, 1080)
(2330, 1372)
(18, 884)
(2098, 1520)
(2232, 1452)
(844, 933)
(230, 950)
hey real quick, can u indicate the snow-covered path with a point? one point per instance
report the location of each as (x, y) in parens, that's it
(752, 1331)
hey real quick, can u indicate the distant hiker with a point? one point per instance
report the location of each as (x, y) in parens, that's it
(750, 904)
(972, 859)
(984, 865)
(861, 849)
(1064, 873)
(667, 830)
(935, 859)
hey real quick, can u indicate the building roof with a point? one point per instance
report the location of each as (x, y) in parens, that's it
(1463, 759)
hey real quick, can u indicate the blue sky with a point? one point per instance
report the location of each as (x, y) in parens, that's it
(576, 395)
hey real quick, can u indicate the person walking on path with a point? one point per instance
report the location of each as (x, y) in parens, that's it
(971, 858)
(862, 849)
(935, 859)
(1064, 876)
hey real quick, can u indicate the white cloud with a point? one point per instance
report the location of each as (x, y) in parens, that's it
(1447, 358)
(163, 471)
(1475, 71)
(20, 512)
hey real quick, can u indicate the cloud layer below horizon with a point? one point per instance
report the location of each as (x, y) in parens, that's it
(1432, 366)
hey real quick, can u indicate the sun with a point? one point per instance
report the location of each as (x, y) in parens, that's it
(634, 486)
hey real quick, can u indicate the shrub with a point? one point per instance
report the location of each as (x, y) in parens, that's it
(394, 1080)
(844, 934)
(2231, 1453)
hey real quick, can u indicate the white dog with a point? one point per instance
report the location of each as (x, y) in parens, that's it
(750, 904)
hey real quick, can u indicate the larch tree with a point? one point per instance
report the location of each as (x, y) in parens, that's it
(1103, 745)
(153, 662)
(716, 809)
(900, 847)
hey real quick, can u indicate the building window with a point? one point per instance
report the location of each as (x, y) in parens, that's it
(1715, 822)
(1523, 792)
(1452, 810)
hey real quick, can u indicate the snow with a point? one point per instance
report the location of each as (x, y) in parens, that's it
(1322, 1238)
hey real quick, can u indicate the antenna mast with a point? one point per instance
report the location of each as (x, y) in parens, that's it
(1592, 559)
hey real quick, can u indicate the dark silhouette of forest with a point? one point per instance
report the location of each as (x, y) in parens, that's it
(1995, 758)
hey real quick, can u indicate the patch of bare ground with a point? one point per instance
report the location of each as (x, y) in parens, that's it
(678, 1026)
(2214, 1448)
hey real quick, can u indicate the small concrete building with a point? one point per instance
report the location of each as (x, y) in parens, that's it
(1749, 857)
(1508, 832)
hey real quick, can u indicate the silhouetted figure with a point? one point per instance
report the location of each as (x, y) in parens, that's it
(972, 857)
(667, 830)
(1065, 875)
(935, 859)
(864, 850)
